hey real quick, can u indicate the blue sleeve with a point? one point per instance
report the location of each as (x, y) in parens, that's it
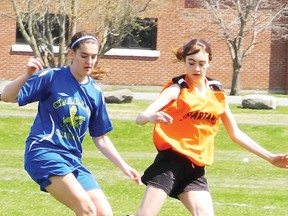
(100, 122)
(35, 88)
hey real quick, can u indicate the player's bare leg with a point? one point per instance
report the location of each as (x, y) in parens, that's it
(67, 190)
(152, 201)
(100, 201)
(199, 203)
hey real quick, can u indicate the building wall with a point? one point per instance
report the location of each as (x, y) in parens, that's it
(11, 63)
(265, 69)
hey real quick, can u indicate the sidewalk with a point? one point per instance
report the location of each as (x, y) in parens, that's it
(140, 94)
(231, 99)
(152, 96)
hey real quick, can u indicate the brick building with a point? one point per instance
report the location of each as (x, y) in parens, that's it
(265, 69)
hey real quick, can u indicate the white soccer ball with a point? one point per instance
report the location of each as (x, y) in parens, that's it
(245, 160)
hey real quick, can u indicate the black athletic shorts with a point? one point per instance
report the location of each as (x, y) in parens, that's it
(175, 174)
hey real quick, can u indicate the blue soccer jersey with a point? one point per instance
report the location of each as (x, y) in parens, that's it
(66, 110)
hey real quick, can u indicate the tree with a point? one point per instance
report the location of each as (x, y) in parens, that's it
(114, 20)
(118, 21)
(43, 24)
(241, 22)
(46, 24)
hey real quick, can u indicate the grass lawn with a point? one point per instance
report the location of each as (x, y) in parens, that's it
(255, 188)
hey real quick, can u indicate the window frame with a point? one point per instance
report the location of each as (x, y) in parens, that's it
(19, 39)
(148, 34)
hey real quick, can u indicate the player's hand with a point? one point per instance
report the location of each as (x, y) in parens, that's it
(280, 160)
(132, 174)
(161, 117)
(33, 65)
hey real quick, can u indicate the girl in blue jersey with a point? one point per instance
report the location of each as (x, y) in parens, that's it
(70, 103)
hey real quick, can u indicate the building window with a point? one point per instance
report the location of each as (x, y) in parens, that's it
(19, 38)
(193, 3)
(144, 37)
(39, 23)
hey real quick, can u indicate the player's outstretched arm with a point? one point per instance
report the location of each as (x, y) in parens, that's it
(105, 145)
(241, 138)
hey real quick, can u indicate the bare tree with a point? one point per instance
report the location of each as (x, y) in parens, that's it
(119, 21)
(43, 24)
(241, 22)
(113, 21)
(46, 24)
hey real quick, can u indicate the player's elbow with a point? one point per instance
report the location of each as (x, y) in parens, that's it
(141, 119)
(6, 98)
(236, 136)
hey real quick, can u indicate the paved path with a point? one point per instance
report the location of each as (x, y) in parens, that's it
(231, 99)
(153, 96)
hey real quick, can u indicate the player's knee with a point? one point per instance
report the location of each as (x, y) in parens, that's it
(104, 212)
(103, 207)
(202, 211)
(146, 212)
(86, 209)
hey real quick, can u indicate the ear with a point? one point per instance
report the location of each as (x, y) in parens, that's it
(70, 53)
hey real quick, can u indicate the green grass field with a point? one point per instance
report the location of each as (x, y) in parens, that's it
(255, 188)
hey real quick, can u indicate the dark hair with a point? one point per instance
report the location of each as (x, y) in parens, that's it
(193, 47)
(76, 39)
